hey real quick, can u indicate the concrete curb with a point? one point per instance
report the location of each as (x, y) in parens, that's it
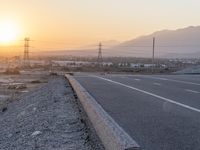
(111, 134)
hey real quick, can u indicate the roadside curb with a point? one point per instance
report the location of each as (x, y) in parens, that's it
(111, 134)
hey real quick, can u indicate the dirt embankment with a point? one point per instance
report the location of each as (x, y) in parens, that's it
(12, 86)
(47, 118)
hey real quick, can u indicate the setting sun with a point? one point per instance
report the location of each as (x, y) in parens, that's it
(8, 32)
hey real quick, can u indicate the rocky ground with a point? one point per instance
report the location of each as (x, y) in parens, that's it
(12, 86)
(47, 118)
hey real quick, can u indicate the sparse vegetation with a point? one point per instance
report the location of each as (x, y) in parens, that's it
(36, 81)
(12, 71)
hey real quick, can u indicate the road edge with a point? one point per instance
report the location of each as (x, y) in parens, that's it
(110, 133)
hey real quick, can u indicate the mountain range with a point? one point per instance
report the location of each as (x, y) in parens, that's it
(183, 42)
(180, 43)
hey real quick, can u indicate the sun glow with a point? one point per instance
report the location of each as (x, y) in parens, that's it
(8, 32)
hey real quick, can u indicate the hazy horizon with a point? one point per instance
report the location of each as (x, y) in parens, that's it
(68, 24)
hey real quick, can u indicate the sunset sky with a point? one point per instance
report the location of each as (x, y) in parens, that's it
(82, 22)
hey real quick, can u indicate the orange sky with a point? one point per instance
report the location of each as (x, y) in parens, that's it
(74, 23)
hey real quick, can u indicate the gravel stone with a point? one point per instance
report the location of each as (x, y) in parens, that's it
(47, 118)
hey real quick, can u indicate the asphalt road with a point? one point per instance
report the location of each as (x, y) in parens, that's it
(158, 112)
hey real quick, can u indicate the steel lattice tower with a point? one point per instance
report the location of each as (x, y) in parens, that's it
(26, 52)
(100, 57)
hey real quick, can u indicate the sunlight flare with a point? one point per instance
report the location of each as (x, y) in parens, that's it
(8, 31)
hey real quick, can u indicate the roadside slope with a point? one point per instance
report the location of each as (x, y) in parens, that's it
(47, 118)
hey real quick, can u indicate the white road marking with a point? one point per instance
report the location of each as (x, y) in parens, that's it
(24, 91)
(160, 78)
(85, 76)
(158, 84)
(192, 91)
(179, 81)
(166, 79)
(137, 79)
(151, 94)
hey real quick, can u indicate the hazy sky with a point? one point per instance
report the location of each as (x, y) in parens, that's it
(89, 21)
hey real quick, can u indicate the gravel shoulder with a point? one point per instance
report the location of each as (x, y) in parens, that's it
(47, 118)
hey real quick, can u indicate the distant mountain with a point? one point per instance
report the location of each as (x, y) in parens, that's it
(85, 51)
(169, 43)
(180, 43)
(110, 43)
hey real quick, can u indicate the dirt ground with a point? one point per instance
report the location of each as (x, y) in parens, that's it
(44, 115)
(12, 86)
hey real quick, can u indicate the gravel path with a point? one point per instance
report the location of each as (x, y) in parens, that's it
(45, 119)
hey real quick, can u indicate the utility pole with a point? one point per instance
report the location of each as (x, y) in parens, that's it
(100, 58)
(26, 52)
(153, 55)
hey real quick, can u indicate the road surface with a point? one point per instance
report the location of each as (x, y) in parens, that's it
(160, 112)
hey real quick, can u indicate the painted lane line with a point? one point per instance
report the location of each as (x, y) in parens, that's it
(166, 79)
(151, 94)
(192, 91)
(82, 76)
(179, 81)
(137, 79)
(158, 84)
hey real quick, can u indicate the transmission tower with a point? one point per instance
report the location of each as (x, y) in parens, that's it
(26, 52)
(100, 58)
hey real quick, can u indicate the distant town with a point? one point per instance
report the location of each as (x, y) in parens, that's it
(91, 64)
